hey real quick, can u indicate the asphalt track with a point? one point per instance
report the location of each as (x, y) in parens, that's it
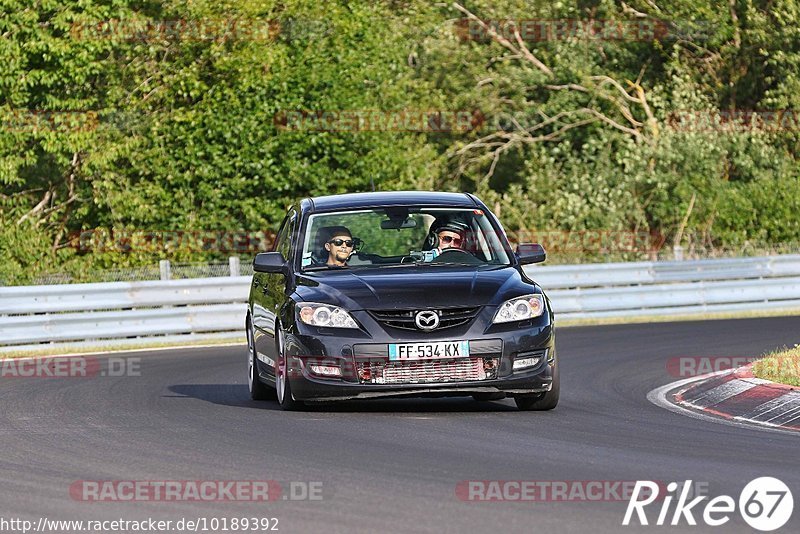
(391, 465)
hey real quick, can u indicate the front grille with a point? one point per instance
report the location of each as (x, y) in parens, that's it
(441, 371)
(404, 319)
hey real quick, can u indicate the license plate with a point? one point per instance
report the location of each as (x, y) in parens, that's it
(428, 351)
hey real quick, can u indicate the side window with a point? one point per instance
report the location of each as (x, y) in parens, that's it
(281, 233)
(283, 243)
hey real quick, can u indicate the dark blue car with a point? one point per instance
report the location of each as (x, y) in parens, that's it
(398, 294)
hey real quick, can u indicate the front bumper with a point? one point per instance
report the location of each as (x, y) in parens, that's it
(311, 389)
(349, 350)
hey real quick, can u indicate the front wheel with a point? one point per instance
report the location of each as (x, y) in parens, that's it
(258, 390)
(283, 387)
(541, 401)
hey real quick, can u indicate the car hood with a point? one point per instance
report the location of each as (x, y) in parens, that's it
(413, 287)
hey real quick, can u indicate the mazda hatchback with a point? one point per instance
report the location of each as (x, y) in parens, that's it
(398, 294)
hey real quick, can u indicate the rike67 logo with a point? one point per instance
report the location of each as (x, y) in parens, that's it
(765, 504)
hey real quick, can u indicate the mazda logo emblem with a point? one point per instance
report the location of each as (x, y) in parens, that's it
(426, 320)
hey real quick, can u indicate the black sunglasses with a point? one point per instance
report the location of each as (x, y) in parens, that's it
(340, 242)
(446, 239)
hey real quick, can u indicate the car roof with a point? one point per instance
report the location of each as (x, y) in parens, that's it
(391, 198)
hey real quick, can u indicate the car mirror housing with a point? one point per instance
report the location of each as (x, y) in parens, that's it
(396, 224)
(529, 253)
(269, 262)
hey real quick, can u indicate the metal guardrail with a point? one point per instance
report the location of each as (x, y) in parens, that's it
(17, 300)
(215, 307)
(671, 288)
(647, 272)
(123, 311)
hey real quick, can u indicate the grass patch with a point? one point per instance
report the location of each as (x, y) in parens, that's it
(780, 366)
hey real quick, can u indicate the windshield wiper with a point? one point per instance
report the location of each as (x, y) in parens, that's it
(324, 268)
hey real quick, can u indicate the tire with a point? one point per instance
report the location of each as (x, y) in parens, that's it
(541, 401)
(258, 390)
(283, 387)
(486, 397)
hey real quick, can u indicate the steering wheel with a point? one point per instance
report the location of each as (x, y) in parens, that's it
(453, 249)
(471, 259)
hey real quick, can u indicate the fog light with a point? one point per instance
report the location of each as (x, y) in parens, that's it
(524, 363)
(325, 370)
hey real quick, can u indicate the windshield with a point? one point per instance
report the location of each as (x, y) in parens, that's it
(401, 236)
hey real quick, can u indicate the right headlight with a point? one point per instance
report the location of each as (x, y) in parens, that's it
(317, 314)
(520, 309)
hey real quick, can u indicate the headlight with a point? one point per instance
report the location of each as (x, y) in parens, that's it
(519, 309)
(324, 315)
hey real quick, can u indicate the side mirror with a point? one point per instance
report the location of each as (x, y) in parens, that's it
(269, 262)
(530, 253)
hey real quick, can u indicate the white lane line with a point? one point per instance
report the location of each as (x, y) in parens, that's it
(762, 410)
(658, 396)
(786, 415)
(795, 418)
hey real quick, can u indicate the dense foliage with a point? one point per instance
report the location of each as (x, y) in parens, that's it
(145, 116)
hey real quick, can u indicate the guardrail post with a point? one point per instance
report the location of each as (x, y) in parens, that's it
(234, 264)
(677, 253)
(166, 270)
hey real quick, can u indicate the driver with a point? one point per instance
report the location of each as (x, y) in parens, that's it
(339, 246)
(449, 235)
